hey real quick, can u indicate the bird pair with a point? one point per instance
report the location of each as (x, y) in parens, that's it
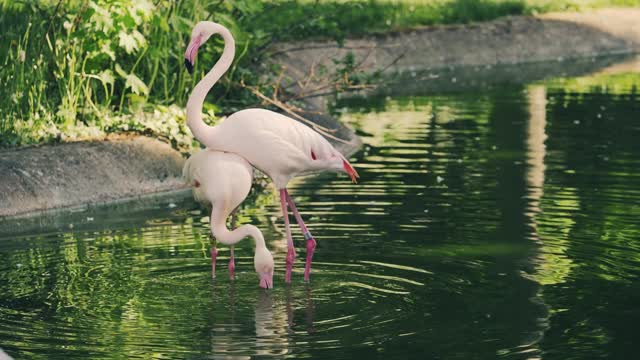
(277, 145)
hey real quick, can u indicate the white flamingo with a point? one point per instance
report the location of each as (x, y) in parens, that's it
(279, 146)
(223, 180)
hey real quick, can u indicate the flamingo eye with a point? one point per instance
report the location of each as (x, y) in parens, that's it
(313, 155)
(196, 183)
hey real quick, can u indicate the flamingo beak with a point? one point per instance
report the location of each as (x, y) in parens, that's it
(266, 280)
(353, 174)
(191, 53)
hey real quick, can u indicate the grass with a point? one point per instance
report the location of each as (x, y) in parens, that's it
(82, 68)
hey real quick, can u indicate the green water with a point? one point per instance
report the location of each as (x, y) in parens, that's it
(489, 223)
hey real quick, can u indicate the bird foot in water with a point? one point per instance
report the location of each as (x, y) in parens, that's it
(311, 248)
(232, 268)
(291, 258)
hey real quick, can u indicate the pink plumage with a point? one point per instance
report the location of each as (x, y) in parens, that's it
(279, 146)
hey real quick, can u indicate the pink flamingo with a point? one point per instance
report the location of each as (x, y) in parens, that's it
(223, 180)
(279, 146)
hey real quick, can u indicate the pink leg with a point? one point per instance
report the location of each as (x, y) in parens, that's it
(232, 258)
(311, 242)
(291, 252)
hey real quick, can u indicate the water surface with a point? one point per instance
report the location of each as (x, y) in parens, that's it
(489, 223)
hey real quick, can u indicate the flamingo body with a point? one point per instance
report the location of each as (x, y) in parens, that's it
(277, 145)
(222, 181)
(219, 179)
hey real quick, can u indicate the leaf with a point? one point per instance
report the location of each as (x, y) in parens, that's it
(161, 23)
(106, 49)
(120, 71)
(128, 42)
(129, 21)
(136, 102)
(143, 8)
(139, 38)
(246, 7)
(106, 76)
(66, 113)
(101, 18)
(136, 85)
(181, 24)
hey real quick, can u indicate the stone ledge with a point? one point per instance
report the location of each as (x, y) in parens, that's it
(72, 174)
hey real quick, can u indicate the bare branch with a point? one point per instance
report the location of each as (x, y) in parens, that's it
(290, 110)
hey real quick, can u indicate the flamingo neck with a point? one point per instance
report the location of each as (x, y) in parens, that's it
(200, 130)
(222, 234)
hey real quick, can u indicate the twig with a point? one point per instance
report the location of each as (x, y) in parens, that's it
(289, 110)
(393, 62)
(276, 86)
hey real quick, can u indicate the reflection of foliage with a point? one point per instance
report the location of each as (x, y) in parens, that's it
(100, 288)
(552, 265)
(581, 250)
(614, 84)
(593, 141)
(443, 193)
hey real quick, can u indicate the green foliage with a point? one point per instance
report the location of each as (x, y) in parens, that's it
(68, 71)
(465, 11)
(69, 65)
(614, 84)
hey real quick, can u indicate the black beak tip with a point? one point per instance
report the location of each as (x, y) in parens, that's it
(188, 65)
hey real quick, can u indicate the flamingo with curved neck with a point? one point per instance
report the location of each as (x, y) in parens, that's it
(198, 128)
(279, 146)
(223, 180)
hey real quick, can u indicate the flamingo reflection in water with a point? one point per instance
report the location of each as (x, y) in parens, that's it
(273, 318)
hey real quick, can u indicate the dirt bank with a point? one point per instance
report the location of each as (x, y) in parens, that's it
(72, 174)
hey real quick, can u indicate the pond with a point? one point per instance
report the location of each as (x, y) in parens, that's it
(491, 221)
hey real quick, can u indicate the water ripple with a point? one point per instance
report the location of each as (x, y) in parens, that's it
(487, 224)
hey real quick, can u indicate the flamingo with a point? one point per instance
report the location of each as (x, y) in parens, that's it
(277, 145)
(223, 180)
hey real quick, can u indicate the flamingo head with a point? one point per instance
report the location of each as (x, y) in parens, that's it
(200, 34)
(264, 265)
